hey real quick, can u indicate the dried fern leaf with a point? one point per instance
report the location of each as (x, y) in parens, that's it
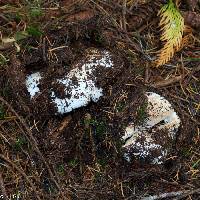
(172, 27)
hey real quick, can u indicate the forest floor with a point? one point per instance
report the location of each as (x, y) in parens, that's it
(78, 155)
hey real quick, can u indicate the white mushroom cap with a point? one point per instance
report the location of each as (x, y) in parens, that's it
(138, 139)
(84, 89)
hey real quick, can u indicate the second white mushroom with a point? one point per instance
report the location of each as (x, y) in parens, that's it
(160, 117)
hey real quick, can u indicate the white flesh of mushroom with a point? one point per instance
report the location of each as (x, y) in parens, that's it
(32, 82)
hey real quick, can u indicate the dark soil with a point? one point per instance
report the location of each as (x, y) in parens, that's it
(79, 155)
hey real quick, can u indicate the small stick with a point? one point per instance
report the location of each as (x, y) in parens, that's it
(44, 49)
(174, 79)
(124, 15)
(179, 194)
(65, 122)
(56, 48)
(146, 77)
(167, 82)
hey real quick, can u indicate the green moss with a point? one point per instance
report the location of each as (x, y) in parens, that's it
(102, 162)
(99, 127)
(60, 169)
(73, 163)
(142, 113)
(196, 164)
(3, 60)
(20, 143)
(35, 12)
(20, 35)
(186, 152)
(34, 31)
(120, 106)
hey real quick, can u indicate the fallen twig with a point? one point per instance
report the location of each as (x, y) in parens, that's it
(124, 23)
(55, 133)
(175, 79)
(167, 82)
(179, 194)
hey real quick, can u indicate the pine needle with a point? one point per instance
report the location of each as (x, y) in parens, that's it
(172, 27)
(135, 2)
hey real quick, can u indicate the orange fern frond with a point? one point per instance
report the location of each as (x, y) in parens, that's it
(172, 26)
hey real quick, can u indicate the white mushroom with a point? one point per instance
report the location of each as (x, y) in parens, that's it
(80, 83)
(139, 140)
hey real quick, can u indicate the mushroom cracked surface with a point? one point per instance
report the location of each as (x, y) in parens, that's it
(151, 140)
